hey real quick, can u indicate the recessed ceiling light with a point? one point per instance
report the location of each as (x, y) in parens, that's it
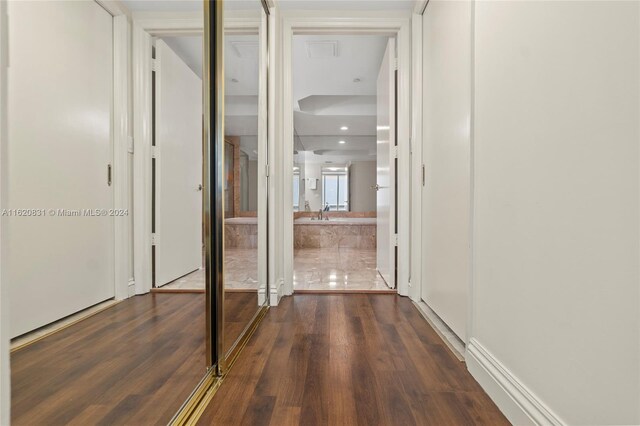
(344, 128)
(357, 80)
(342, 141)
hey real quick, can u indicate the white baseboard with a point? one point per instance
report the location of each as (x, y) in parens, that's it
(453, 342)
(275, 292)
(262, 295)
(131, 289)
(517, 403)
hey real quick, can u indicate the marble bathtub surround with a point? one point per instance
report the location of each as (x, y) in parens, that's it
(336, 269)
(357, 233)
(241, 233)
(297, 215)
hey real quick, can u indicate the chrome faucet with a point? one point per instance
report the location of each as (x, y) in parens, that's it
(320, 214)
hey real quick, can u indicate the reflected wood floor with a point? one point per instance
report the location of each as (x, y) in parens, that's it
(239, 309)
(134, 363)
(348, 360)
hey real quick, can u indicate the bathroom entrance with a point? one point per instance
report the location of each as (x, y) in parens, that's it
(344, 163)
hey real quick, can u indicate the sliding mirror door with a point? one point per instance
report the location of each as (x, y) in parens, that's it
(244, 150)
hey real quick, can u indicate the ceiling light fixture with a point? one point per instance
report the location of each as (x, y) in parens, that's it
(234, 80)
(342, 141)
(344, 128)
(357, 80)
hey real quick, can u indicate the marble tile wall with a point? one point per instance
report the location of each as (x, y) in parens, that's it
(334, 236)
(297, 215)
(241, 235)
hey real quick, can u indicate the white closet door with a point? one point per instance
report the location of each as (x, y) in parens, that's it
(385, 174)
(59, 120)
(446, 151)
(178, 105)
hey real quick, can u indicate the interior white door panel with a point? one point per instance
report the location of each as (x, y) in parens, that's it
(59, 115)
(178, 122)
(385, 174)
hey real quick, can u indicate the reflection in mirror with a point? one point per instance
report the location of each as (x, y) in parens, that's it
(241, 158)
(106, 327)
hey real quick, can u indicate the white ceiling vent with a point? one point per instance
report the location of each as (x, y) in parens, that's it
(322, 48)
(245, 49)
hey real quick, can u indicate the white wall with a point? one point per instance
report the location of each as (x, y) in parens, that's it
(362, 176)
(446, 156)
(5, 383)
(556, 215)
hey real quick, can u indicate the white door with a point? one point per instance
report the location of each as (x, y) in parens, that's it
(385, 175)
(178, 122)
(446, 150)
(59, 137)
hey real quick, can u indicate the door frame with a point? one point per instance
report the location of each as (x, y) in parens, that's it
(396, 23)
(146, 26)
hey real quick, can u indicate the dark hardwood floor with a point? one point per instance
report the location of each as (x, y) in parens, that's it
(239, 309)
(133, 363)
(348, 360)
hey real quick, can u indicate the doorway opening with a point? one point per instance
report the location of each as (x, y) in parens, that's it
(176, 164)
(344, 162)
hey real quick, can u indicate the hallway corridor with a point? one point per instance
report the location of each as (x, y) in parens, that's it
(348, 359)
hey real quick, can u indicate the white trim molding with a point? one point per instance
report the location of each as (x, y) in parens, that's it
(121, 190)
(276, 292)
(170, 23)
(142, 159)
(396, 23)
(145, 26)
(415, 267)
(518, 403)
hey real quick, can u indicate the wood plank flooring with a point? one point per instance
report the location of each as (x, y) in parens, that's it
(348, 360)
(239, 309)
(134, 363)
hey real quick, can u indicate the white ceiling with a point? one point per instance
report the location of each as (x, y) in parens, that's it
(241, 68)
(327, 98)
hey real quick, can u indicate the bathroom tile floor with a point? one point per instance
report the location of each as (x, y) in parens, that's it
(317, 269)
(240, 272)
(336, 269)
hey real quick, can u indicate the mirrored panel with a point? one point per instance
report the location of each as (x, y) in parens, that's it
(105, 269)
(244, 160)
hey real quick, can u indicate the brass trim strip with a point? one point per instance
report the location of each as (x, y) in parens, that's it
(240, 343)
(195, 405)
(63, 327)
(210, 382)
